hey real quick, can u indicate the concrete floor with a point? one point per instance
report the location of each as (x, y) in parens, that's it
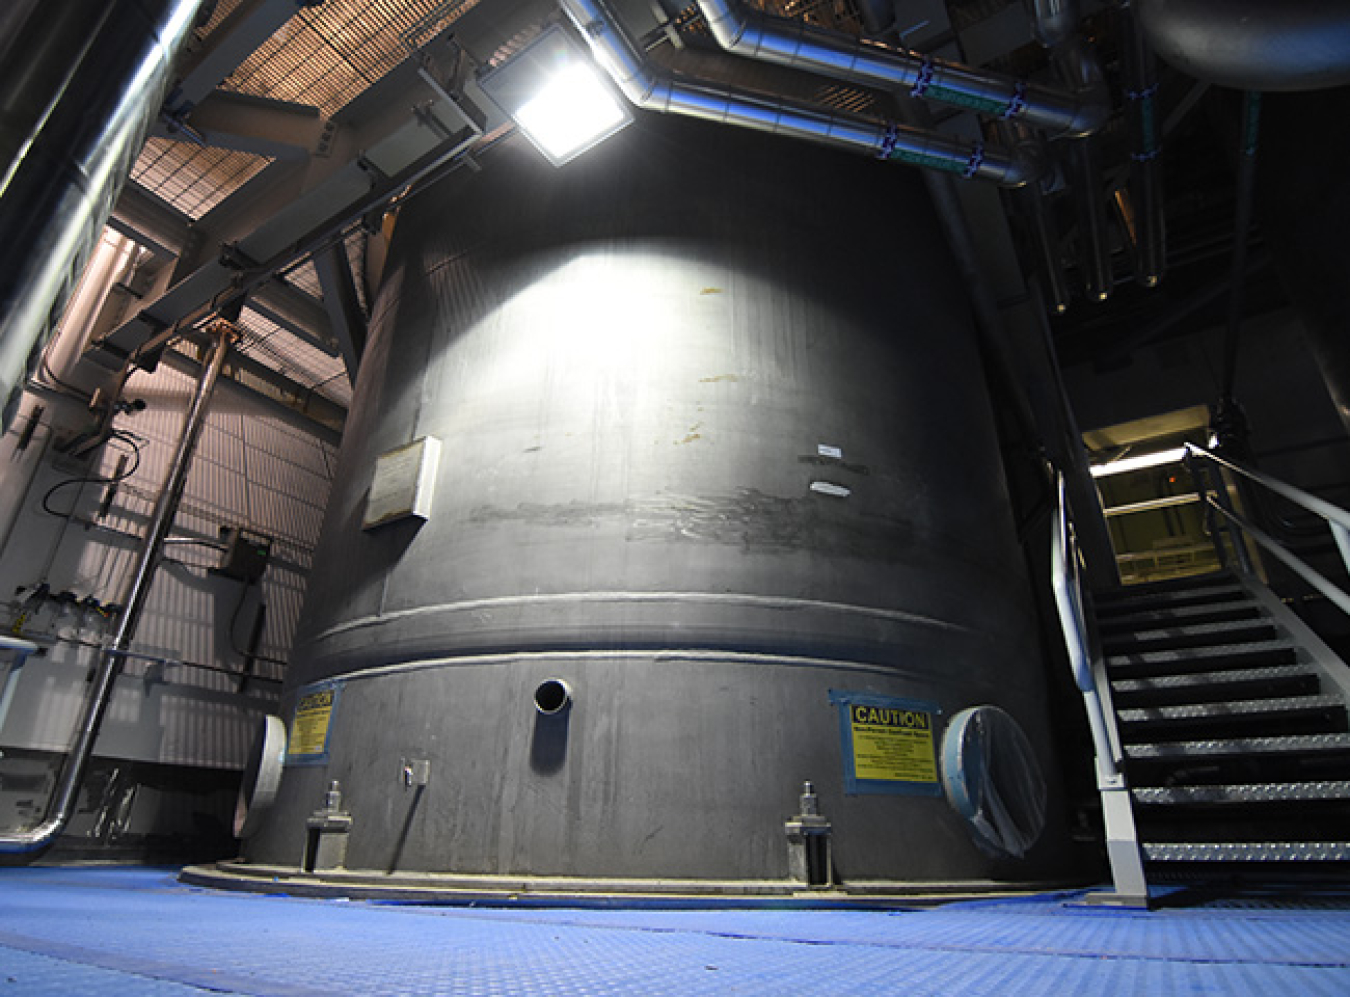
(94, 930)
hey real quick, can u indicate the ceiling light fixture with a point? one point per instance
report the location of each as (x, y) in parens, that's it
(1138, 462)
(557, 96)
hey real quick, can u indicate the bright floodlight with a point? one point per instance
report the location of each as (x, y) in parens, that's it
(1138, 463)
(571, 112)
(557, 96)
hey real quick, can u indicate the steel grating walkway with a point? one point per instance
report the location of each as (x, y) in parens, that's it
(114, 930)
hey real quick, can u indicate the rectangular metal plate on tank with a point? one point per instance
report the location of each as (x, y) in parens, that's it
(307, 743)
(403, 483)
(888, 744)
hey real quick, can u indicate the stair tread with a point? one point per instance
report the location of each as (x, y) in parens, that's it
(1244, 609)
(1188, 584)
(1230, 676)
(1207, 653)
(1225, 633)
(1236, 708)
(1127, 602)
(1237, 746)
(1255, 792)
(1247, 851)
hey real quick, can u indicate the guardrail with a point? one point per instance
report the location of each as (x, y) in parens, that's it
(1207, 466)
(1089, 674)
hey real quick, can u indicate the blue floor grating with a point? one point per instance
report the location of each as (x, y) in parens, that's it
(114, 930)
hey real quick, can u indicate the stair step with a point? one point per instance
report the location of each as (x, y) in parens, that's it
(1191, 583)
(1189, 636)
(1237, 683)
(1256, 792)
(1237, 708)
(1212, 597)
(1150, 619)
(1228, 676)
(1247, 851)
(1235, 747)
(1145, 664)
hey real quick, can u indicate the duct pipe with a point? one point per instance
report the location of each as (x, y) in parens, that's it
(1094, 243)
(1141, 88)
(654, 89)
(81, 85)
(1246, 202)
(801, 46)
(1031, 371)
(65, 794)
(1253, 44)
(1055, 26)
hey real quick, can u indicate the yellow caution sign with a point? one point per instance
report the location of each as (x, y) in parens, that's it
(893, 744)
(309, 728)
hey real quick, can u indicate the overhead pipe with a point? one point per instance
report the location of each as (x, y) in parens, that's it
(1055, 25)
(656, 89)
(801, 46)
(1246, 202)
(1141, 89)
(1031, 370)
(80, 85)
(66, 793)
(1253, 44)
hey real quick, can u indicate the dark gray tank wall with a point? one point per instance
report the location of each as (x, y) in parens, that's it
(633, 364)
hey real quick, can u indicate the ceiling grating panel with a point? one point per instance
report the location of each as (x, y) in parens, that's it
(327, 55)
(356, 258)
(308, 366)
(221, 10)
(193, 178)
(305, 278)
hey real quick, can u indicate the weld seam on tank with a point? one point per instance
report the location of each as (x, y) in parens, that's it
(698, 598)
(659, 655)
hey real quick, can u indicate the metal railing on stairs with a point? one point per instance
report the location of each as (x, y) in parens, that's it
(1207, 467)
(1089, 673)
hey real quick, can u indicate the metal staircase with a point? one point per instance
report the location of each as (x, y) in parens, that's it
(1233, 721)
(1219, 721)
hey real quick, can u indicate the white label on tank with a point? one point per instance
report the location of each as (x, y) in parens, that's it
(830, 488)
(825, 450)
(403, 482)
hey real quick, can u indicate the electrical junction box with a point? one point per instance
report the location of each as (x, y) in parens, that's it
(246, 554)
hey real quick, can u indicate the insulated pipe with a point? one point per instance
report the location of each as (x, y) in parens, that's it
(801, 46)
(1055, 25)
(65, 795)
(1246, 201)
(80, 86)
(1253, 44)
(1141, 89)
(656, 90)
(1094, 244)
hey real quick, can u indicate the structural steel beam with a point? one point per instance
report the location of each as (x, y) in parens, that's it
(276, 129)
(344, 307)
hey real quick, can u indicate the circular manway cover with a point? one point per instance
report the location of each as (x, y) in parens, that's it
(262, 777)
(992, 779)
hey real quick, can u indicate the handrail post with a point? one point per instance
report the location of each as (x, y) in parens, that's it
(1122, 839)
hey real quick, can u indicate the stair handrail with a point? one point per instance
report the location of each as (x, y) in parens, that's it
(1336, 518)
(1067, 583)
(1089, 673)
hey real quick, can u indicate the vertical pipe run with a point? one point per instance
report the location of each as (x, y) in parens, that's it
(1246, 191)
(101, 688)
(1141, 89)
(80, 85)
(1094, 244)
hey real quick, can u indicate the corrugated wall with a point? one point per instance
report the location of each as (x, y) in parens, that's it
(187, 701)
